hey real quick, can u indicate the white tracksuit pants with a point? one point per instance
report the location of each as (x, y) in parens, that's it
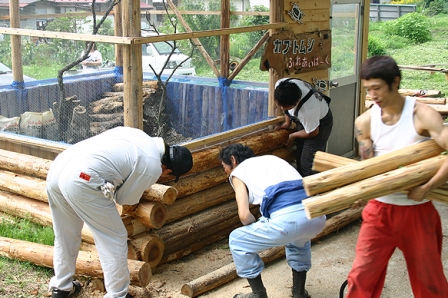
(74, 201)
(288, 226)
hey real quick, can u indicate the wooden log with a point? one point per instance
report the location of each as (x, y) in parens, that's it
(24, 164)
(153, 84)
(199, 201)
(376, 186)
(79, 126)
(425, 100)
(39, 212)
(99, 127)
(337, 177)
(87, 263)
(327, 161)
(186, 231)
(108, 108)
(211, 177)
(259, 142)
(149, 247)
(227, 273)
(151, 214)
(419, 92)
(105, 117)
(23, 185)
(324, 161)
(160, 193)
(199, 244)
(105, 100)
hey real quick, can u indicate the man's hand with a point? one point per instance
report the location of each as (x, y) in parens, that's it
(418, 193)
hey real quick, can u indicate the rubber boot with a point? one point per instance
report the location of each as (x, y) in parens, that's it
(258, 289)
(298, 284)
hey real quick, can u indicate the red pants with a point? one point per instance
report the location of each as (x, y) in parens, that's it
(416, 231)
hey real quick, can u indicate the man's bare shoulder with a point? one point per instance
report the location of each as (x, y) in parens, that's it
(364, 118)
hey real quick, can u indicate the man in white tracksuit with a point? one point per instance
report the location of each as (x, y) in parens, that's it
(83, 184)
(276, 186)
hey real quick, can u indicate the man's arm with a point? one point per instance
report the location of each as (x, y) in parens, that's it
(242, 200)
(362, 134)
(427, 119)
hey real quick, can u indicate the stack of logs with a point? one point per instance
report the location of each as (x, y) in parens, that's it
(430, 97)
(171, 221)
(338, 188)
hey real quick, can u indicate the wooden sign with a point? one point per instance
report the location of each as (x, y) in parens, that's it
(297, 53)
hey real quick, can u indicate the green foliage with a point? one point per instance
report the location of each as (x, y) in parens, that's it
(375, 47)
(243, 42)
(23, 229)
(436, 7)
(413, 26)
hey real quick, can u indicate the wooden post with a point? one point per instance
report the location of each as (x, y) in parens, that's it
(132, 66)
(224, 44)
(118, 26)
(16, 41)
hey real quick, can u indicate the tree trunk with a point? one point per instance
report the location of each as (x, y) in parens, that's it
(151, 214)
(199, 201)
(376, 186)
(23, 185)
(87, 263)
(149, 247)
(328, 161)
(337, 177)
(24, 164)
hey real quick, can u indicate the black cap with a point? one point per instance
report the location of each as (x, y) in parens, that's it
(181, 160)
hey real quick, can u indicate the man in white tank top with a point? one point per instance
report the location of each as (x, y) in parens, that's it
(276, 186)
(408, 222)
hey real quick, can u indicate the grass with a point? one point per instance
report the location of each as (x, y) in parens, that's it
(433, 52)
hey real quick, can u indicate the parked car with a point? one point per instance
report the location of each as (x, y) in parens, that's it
(157, 53)
(6, 76)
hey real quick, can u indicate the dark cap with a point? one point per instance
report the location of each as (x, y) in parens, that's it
(181, 160)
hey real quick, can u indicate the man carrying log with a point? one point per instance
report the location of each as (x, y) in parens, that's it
(405, 221)
(310, 111)
(83, 184)
(274, 184)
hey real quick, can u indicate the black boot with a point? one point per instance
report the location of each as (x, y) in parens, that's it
(298, 284)
(258, 289)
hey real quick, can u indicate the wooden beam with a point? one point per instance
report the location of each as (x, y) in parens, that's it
(249, 56)
(207, 33)
(16, 42)
(225, 39)
(66, 35)
(196, 41)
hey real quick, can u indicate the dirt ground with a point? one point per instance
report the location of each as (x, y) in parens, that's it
(332, 257)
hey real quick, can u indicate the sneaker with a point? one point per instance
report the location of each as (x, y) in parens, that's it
(55, 293)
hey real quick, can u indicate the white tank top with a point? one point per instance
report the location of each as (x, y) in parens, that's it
(387, 138)
(260, 172)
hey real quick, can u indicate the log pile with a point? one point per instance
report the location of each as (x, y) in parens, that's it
(432, 98)
(171, 221)
(107, 112)
(337, 189)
